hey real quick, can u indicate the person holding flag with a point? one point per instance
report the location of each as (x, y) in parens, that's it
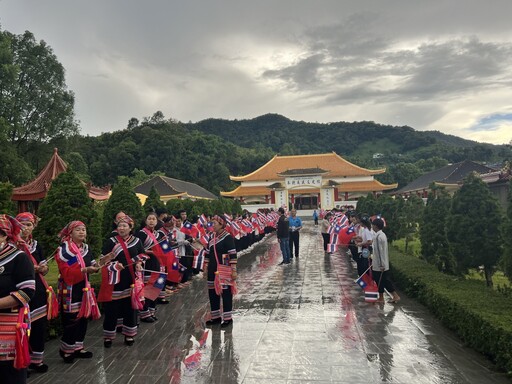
(75, 261)
(150, 237)
(220, 260)
(17, 287)
(121, 282)
(44, 305)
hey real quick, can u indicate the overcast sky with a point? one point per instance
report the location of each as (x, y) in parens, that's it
(433, 65)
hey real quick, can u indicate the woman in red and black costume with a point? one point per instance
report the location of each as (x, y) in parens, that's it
(221, 247)
(75, 261)
(150, 237)
(39, 304)
(120, 283)
(17, 287)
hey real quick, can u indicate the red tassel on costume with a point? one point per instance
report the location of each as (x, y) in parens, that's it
(217, 284)
(22, 359)
(89, 307)
(136, 295)
(52, 304)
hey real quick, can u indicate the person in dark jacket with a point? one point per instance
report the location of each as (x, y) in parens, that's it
(283, 229)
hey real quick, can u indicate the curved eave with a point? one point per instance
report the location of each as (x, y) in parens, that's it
(245, 177)
(246, 191)
(366, 186)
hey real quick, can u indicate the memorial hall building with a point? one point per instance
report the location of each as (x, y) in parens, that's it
(307, 182)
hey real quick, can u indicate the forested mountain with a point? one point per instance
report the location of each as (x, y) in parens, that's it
(360, 139)
(209, 151)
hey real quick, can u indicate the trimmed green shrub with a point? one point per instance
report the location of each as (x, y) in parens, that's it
(481, 316)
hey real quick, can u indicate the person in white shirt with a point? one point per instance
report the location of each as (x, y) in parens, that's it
(380, 263)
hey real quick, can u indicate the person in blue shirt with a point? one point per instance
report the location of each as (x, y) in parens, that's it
(315, 216)
(295, 226)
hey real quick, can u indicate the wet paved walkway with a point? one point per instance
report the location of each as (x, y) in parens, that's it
(302, 323)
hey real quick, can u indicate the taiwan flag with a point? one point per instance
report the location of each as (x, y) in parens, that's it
(346, 234)
(155, 284)
(189, 229)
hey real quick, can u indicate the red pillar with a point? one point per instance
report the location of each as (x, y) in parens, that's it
(336, 194)
(272, 197)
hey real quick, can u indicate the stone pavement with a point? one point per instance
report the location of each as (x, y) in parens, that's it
(306, 322)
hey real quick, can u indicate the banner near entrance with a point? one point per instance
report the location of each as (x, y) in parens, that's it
(327, 198)
(303, 181)
(282, 199)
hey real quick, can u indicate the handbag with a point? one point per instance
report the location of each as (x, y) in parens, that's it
(223, 276)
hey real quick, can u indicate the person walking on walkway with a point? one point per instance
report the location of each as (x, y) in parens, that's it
(380, 262)
(283, 229)
(324, 228)
(295, 224)
(315, 216)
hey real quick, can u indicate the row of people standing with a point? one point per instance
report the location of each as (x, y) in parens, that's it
(368, 248)
(27, 301)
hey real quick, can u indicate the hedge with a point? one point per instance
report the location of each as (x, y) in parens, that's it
(481, 316)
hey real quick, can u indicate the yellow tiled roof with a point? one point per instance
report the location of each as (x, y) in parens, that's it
(247, 191)
(332, 162)
(358, 186)
(365, 186)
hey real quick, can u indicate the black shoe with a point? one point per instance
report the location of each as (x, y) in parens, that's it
(218, 320)
(281, 263)
(129, 341)
(39, 368)
(154, 318)
(287, 262)
(107, 343)
(226, 323)
(67, 357)
(83, 354)
(149, 319)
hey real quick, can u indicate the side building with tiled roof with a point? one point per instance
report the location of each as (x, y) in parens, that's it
(450, 176)
(307, 182)
(169, 188)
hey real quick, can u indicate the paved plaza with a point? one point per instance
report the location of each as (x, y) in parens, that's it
(306, 322)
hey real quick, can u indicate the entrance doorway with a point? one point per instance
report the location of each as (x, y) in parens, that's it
(306, 202)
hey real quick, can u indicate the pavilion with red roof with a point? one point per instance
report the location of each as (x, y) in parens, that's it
(30, 195)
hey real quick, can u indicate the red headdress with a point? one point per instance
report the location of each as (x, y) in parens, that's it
(11, 227)
(65, 233)
(27, 216)
(125, 219)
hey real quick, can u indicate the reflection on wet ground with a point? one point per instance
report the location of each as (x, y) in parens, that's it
(306, 322)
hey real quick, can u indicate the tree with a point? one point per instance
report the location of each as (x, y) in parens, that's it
(124, 199)
(35, 103)
(434, 241)
(13, 168)
(506, 261)
(6, 204)
(474, 228)
(410, 219)
(153, 201)
(404, 173)
(66, 200)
